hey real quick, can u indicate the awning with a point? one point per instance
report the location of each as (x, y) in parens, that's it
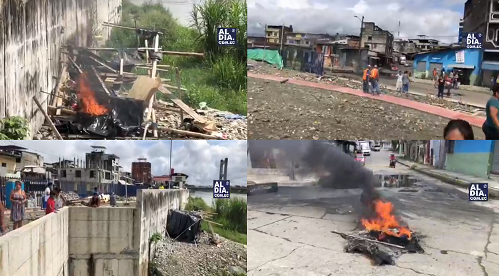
(490, 65)
(461, 66)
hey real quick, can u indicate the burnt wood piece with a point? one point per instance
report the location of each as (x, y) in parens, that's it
(379, 254)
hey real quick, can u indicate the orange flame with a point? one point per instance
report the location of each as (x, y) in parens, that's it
(88, 101)
(385, 222)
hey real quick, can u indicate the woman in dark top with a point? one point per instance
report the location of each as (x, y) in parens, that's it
(491, 125)
(441, 87)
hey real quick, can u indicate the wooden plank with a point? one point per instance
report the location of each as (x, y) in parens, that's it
(190, 54)
(103, 64)
(177, 73)
(60, 80)
(144, 88)
(47, 118)
(190, 133)
(181, 104)
(100, 80)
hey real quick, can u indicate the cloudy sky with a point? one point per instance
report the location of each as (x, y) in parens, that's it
(180, 9)
(436, 19)
(198, 159)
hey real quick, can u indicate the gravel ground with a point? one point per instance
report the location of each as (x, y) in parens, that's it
(287, 111)
(347, 80)
(184, 259)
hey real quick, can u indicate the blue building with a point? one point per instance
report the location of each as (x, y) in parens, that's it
(468, 61)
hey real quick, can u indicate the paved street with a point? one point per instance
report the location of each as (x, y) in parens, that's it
(289, 232)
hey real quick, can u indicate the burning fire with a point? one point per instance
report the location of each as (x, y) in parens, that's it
(385, 222)
(88, 101)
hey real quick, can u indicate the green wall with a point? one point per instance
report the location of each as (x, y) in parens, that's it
(476, 164)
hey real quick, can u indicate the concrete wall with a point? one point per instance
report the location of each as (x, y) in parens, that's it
(32, 34)
(471, 157)
(101, 242)
(152, 212)
(83, 241)
(38, 248)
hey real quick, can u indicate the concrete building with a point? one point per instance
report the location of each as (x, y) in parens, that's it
(379, 42)
(15, 158)
(141, 171)
(99, 169)
(276, 33)
(468, 61)
(256, 41)
(424, 44)
(482, 16)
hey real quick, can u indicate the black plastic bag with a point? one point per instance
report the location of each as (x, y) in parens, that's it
(183, 226)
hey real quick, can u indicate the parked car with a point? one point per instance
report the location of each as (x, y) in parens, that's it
(376, 147)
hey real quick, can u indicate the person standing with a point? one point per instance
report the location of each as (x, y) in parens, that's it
(94, 200)
(46, 195)
(491, 125)
(2, 220)
(18, 198)
(374, 80)
(398, 85)
(405, 82)
(441, 87)
(59, 202)
(51, 204)
(365, 79)
(112, 199)
(435, 77)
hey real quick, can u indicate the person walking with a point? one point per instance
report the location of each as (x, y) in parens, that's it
(18, 198)
(374, 76)
(441, 87)
(491, 125)
(398, 85)
(405, 82)
(365, 79)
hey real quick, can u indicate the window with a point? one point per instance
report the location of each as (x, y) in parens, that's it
(4, 165)
(63, 173)
(369, 37)
(92, 174)
(107, 176)
(78, 174)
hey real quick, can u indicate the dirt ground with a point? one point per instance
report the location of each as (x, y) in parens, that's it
(287, 111)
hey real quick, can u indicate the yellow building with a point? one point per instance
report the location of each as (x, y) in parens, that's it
(8, 162)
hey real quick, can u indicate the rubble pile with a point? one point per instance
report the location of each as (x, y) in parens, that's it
(97, 99)
(70, 198)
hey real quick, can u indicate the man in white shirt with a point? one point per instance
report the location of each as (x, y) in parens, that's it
(398, 86)
(46, 195)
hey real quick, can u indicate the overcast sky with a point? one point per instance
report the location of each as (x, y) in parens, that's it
(198, 159)
(180, 9)
(437, 19)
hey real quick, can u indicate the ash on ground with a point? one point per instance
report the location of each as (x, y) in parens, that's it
(174, 258)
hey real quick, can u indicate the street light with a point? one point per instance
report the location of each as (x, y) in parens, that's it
(360, 39)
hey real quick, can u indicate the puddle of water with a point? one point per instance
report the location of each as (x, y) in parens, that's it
(396, 181)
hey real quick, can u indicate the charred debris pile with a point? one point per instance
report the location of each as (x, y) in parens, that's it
(384, 236)
(100, 99)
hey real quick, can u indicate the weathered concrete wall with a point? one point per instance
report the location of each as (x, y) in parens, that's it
(152, 212)
(38, 248)
(32, 33)
(101, 242)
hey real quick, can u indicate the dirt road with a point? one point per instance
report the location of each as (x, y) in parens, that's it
(287, 111)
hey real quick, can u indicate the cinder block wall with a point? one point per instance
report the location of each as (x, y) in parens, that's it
(101, 241)
(33, 33)
(38, 248)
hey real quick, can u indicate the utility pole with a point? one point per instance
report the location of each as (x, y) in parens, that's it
(398, 32)
(360, 41)
(264, 43)
(282, 37)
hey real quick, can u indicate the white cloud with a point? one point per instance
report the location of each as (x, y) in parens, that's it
(439, 20)
(198, 159)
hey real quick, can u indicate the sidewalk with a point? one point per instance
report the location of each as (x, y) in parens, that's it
(478, 89)
(435, 110)
(453, 178)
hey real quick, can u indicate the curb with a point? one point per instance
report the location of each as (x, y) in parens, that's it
(493, 192)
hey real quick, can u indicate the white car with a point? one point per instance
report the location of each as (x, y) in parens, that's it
(376, 148)
(365, 148)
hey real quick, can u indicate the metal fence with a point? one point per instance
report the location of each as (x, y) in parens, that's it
(304, 60)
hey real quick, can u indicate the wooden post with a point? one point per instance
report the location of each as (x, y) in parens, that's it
(179, 89)
(47, 118)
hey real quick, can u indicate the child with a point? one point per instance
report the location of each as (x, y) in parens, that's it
(50, 203)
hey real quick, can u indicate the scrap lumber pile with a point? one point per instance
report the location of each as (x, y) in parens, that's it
(70, 198)
(99, 99)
